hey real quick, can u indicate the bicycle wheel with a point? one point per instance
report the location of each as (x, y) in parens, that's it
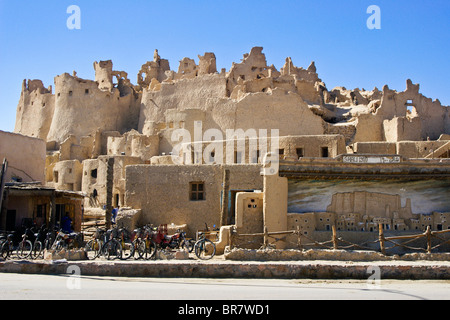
(58, 246)
(127, 249)
(37, 250)
(92, 249)
(205, 249)
(112, 249)
(149, 249)
(47, 244)
(188, 244)
(24, 249)
(4, 251)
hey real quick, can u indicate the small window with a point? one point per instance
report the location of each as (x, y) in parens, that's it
(197, 191)
(300, 153)
(86, 91)
(40, 210)
(94, 173)
(324, 152)
(70, 93)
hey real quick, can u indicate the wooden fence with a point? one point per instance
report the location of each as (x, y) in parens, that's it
(337, 242)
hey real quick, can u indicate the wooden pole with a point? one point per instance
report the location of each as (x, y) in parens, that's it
(428, 233)
(53, 210)
(266, 237)
(231, 236)
(299, 238)
(335, 241)
(224, 219)
(3, 179)
(2, 190)
(109, 190)
(381, 237)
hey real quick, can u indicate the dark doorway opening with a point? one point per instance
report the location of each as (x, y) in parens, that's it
(231, 219)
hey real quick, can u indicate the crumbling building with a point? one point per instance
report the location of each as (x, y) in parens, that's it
(322, 134)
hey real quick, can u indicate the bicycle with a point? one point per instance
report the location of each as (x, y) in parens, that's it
(49, 239)
(7, 246)
(144, 243)
(2, 239)
(25, 247)
(67, 241)
(126, 243)
(38, 245)
(187, 243)
(93, 248)
(204, 248)
(104, 243)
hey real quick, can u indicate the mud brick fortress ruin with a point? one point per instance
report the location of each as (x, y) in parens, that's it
(349, 158)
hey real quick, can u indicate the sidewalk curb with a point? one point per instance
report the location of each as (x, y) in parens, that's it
(428, 270)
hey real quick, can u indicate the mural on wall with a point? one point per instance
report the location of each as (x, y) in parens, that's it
(425, 196)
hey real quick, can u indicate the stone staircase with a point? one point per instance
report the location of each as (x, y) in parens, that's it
(441, 152)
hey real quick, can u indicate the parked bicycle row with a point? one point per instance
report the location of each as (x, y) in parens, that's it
(115, 243)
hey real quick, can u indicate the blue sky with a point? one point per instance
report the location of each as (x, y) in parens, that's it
(413, 42)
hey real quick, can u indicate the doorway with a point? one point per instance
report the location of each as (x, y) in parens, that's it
(10, 220)
(231, 219)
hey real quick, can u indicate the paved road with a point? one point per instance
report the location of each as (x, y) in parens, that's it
(20, 286)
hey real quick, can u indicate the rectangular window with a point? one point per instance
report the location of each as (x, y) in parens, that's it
(197, 191)
(40, 210)
(324, 152)
(300, 153)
